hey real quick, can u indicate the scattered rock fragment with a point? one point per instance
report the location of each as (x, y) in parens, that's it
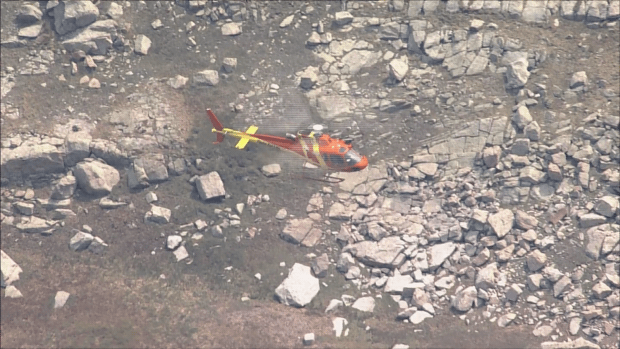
(210, 186)
(142, 44)
(299, 288)
(80, 241)
(231, 29)
(207, 78)
(12, 292)
(271, 170)
(96, 178)
(365, 304)
(10, 269)
(158, 215)
(229, 64)
(578, 79)
(61, 299)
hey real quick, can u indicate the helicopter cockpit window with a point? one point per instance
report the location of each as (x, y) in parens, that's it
(342, 150)
(352, 157)
(336, 159)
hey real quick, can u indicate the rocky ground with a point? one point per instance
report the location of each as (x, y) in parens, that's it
(489, 215)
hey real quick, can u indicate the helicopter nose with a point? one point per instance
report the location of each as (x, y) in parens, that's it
(362, 164)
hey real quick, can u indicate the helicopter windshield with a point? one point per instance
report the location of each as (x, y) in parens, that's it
(352, 157)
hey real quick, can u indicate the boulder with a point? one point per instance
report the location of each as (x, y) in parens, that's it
(299, 288)
(607, 206)
(536, 260)
(210, 186)
(525, 221)
(229, 64)
(71, 15)
(80, 241)
(158, 214)
(28, 14)
(142, 44)
(10, 269)
(232, 29)
(439, 253)
(517, 74)
(31, 159)
(64, 188)
(397, 69)
(96, 178)
(296, 230)
(342, 18)
(501, 222)
(377, 254)
(365, 304)
(206, 78)
(77, 147)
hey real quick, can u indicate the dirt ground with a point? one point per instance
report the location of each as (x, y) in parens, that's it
(130, 297)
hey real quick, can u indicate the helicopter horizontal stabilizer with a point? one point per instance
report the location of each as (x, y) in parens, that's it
(244, 140)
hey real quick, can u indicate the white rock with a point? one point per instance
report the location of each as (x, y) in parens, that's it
(115, 11)
(80, 241)
(343, 18)
(439, 253)
(10, 269)
(366, 304)
(501, 222)
(156, 24)
(210, 186)
(607, 206)
(173, 241)
(207, 77)
(177, 82)
(334, 304)
(339, 324)
(578, 79)
(271, 170)
(398, 69)
(12, 292)
(231, 29)
(299, 288)
(287, 21)
(229, 64)
(60, 299)
(308, 338)
(158, 214)
(419, 316)
(96, 178)
(181, 253)
(281, 214)
(465, 299)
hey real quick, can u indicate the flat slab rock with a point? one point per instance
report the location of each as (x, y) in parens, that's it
(299, 288)
(210, 186)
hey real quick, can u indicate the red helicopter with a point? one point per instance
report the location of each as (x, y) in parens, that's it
(319, 149)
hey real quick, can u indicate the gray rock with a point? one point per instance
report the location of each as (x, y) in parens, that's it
(506, 319)
(590, 220)
(344, 262)
(77, 147)
(536, 260)
(177, 167)
(24, 208)
(517, 74)
(34, 224)
(142, 44)
(296, 230)
(314, 39)
(358, 59)
(520, 147)
(61, 299)
(560, 286)
(601, 290)
(487, 277)
(320, 265)
(530, 174)
(299, 288)
(607, 206)
(439, 253)
(69, 16)
(80, 241)
(501, 222)
(115, 11)
(96, 178)
(578, 79)
(229, 64)
(210, 186)
(31, 31)
(574, 325)
(95, 39)
(287, 21)
(177, 82)
(377, 254)
(308, 79)
(532, 131)
(491, 156)
(365, 304)
(397, 69)
(595, 238)
(395, 284)
(343, 18)
(477, 66)
(513, 293)
(28, 14)
(158, 215)
(578, 343)
(522, 117)
(525, 221)
(428, 169)
(109, 152)
(465, 299)
(207, 78)
(97, 246)
(31, 160)
(232, 29)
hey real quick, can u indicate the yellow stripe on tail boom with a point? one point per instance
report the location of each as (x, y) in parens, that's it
(245, 139)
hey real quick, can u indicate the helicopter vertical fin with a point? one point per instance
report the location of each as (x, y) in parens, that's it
(244, 140)
(217, 126)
